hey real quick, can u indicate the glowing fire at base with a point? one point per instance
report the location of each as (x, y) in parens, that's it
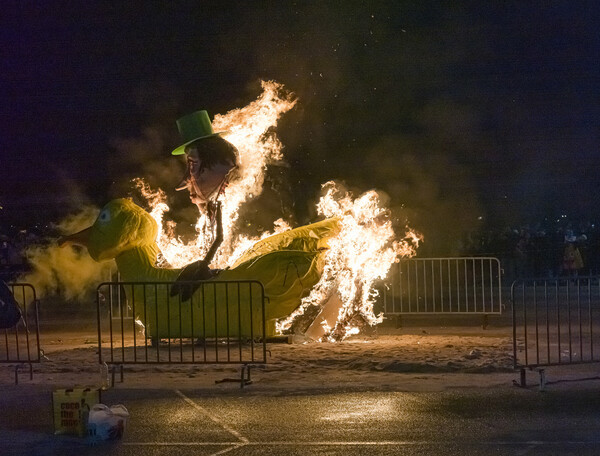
(359, 255)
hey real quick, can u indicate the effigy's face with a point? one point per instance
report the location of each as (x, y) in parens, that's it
(193, 177)
(206, 174)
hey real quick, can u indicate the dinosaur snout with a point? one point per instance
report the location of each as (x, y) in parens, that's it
(81, 238)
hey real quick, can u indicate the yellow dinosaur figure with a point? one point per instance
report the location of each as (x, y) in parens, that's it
(288, 265)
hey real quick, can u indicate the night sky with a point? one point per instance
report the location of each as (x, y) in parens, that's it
(463, 113)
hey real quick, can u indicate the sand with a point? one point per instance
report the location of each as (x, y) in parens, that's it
(405, 359)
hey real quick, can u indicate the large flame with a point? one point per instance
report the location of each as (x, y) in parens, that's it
(250, 130)
(361, 254)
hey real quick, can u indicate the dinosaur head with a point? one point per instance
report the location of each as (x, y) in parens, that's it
(121, 226)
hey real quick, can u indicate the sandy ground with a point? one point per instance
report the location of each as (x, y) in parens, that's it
(406, 359)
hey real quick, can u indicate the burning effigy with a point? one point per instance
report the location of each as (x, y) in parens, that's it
(336, 261)
(127, 233)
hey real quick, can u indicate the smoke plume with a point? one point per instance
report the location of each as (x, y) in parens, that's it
(66, 271)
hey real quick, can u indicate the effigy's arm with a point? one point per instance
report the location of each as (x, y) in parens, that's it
(199, 270)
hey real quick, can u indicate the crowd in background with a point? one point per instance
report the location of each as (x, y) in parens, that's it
(13, 260)
(565, 249)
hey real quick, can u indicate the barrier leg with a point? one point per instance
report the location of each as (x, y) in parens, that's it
(398, 320)
(523, 379)
(112, 376)
(17, 372)
(113, 369)
(243, 380)
(247, 380)
(542, 373)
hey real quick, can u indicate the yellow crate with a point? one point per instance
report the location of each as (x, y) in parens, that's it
(71, 409)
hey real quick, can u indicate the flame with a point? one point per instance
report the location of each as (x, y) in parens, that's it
(358, 256)
(250, 130)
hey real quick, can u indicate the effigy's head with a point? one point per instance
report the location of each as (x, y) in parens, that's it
(120, 226)
(211, 160)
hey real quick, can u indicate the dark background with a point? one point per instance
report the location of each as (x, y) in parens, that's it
(464, 114)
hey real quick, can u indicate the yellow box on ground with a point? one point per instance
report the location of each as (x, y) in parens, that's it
(71, 409)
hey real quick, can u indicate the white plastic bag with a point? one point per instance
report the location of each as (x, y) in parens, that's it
(107, 423)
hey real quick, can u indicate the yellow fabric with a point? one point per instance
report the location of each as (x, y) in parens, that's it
(307, 238)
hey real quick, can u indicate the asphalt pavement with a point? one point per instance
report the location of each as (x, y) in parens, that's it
(563, 420)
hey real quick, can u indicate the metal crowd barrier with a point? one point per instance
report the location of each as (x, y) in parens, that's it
(20, 344)
(555, 322)
(222, 323)
(444, 286)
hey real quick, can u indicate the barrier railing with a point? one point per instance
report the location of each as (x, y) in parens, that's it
(20, 345)
(222, 323)
(444, 286)
(118, 297)
(555, 322)
(119, 305)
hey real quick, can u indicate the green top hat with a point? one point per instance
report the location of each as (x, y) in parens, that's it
(193, 127)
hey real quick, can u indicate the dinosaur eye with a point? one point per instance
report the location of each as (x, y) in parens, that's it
(104, 216)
